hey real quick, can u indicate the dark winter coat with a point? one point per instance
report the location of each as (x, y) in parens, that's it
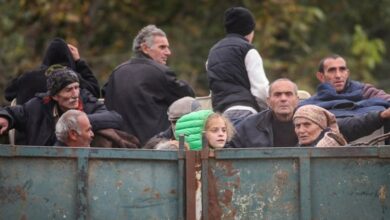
(35, 118)
(228, 79)
(256, 130)
(141, 90)
(24, 87)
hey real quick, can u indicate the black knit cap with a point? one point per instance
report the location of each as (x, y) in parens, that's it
(58, 77)
(239, 20)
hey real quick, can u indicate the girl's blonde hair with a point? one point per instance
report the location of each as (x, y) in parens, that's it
(230, 131)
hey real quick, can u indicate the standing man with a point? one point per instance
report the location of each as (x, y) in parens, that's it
(25, 86)
(235, 69)
(74, 130)
(142, 88)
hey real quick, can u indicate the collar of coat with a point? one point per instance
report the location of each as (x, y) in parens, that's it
(48, 100)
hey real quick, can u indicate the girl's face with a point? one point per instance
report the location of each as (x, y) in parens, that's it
(216, 132)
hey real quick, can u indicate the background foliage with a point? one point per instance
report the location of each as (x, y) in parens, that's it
(291, 35)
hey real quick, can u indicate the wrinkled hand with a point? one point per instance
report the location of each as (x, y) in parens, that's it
(385, 114)
(74, 51)
(3, 125)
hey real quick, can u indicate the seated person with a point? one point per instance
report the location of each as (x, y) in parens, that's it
(177, 109)
(25, 86)
(342, 96)
(345, 97)
(317, 127)
(274, 127)
(37, 117)
(73, 129)
(218, 129)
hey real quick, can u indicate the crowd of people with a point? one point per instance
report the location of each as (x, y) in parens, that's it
(146, 106)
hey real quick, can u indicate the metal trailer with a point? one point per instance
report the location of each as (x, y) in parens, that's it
(264, 183)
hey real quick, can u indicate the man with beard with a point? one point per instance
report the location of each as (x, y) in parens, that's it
(37, 117)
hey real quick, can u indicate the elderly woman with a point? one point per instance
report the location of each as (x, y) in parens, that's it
(316, 126)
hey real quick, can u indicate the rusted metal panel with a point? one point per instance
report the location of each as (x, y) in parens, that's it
(266, 183)
(205, 180)
(255, 189)
(191, 184)
(300, 183)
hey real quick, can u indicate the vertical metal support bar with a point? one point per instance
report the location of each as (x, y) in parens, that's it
(190, 184)
(204, 177)
(180, 179)
(305, 188)
(82, 180)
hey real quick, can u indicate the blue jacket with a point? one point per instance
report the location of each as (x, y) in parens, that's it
(350, 102)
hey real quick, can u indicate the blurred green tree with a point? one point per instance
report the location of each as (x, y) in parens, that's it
(291, 35)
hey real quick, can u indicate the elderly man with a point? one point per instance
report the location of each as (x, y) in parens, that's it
(274, 127)
(74, 130)
(235, 70)
(37, 117)
(342, 96)
(25, 86)
(142, 88)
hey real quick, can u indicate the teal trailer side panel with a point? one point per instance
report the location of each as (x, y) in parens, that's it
(264, 183)
(132, 189)
(37, 188)
(84, 183)
(350, 188)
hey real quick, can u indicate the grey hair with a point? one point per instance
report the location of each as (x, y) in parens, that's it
(67, 122)
(283, 79)
(146, 35)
